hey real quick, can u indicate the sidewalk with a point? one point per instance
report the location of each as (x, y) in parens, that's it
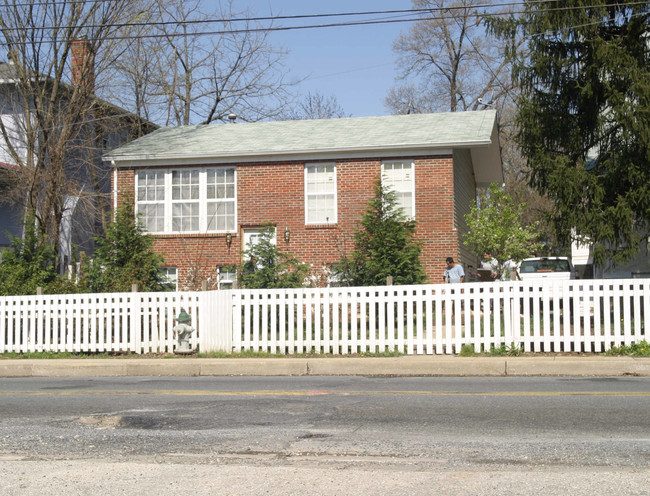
(577, 366)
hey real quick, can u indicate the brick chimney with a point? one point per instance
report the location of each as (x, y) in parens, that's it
(82, 66)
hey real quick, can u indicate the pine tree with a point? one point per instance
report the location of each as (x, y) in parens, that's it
(124, 257)
(383, 246)
(584, 115)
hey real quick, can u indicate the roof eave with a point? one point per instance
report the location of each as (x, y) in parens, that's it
(313, 154)
(488, 166)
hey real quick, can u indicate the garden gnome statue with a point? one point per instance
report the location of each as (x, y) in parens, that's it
(183, 331)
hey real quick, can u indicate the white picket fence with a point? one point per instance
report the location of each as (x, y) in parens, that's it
(545, 316)
(103, 322)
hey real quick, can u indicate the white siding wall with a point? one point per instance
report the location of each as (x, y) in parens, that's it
(464, 194)
(11, 116)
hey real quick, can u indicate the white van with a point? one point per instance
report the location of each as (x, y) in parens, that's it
(547, 268)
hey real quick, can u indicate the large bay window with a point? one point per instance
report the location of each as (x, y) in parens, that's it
(399, 177)
(320, 194)
(187, 200)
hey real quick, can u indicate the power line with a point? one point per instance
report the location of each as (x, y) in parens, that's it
(295, 16)
(407, 12)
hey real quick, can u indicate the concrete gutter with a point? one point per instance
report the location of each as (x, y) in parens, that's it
(367, 366)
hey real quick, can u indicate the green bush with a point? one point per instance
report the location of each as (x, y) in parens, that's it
(28, 264)
(267, 268)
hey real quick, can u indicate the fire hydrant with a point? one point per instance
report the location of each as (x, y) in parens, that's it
(183, 330)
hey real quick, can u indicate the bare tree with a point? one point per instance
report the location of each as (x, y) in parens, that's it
(411, 99)
(317, 106)
(447, 61)
(49, 106)
(200, 66)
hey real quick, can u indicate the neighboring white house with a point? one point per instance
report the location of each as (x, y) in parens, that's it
(77, 228)
(584, 263)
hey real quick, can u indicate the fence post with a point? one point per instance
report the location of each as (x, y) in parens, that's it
(136, 320)
(389, 281)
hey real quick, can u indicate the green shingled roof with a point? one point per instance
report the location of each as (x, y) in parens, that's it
(257, 141)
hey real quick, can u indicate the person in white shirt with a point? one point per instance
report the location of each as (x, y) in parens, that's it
(510, 271)
(490, 263)
(454, 272)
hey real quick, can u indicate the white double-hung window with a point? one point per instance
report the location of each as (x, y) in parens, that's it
(221, 199)
(187, 200)
(320, 193)
(399, 176)
(150, 200)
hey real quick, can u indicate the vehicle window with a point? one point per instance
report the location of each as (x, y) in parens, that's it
(528, 266)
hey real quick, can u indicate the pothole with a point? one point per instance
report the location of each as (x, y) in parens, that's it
(314, 435)
(101, 422)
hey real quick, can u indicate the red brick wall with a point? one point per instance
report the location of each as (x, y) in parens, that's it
(125, 186)
(434, 211)
(274, 193)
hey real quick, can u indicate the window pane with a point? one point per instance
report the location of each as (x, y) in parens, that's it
(151, 186)
(405, 201)
(320, 201)
(185, 185)
(150, 206)
(227, 278)
(170, 278)
(221, 190)
(221, 216)
(398, 177)
(151, 216)
(185, 217)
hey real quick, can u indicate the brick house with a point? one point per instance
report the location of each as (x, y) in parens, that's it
(205, 191)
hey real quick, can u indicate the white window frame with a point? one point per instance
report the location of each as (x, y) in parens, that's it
(221, 200)
(226, 278)
(168, 202)
(170, 274)
(251, 236)
(400, 188)
(180, 197)
(141, 205)
(333, 194)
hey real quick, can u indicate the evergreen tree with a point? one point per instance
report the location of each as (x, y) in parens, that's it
(124, 257)
(27, 264)
(383, 246)
(584, 117)
(268, 268)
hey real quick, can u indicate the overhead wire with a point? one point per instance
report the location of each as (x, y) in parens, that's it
(407, 16)
(405, 12)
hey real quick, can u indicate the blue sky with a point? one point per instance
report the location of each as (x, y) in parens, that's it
(355, 64)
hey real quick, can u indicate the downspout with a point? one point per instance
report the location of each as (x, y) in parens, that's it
(114, 190)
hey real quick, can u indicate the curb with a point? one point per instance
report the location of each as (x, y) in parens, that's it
(423, 366)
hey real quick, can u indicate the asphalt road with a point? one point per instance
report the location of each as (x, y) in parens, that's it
(325, 435)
